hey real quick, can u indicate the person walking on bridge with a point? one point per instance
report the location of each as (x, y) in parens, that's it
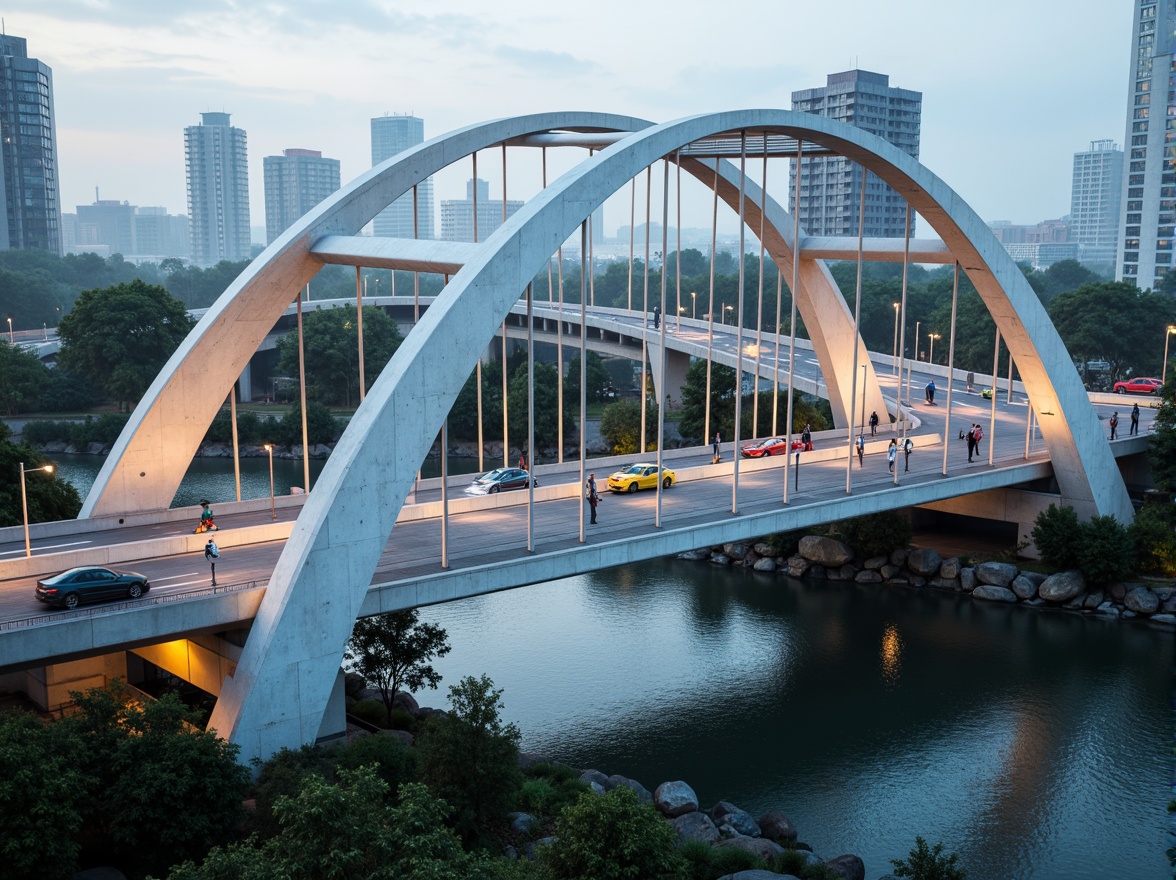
(1114, 423)
(1134, 419)
(891, 452)
(971, 438)
(591, 496)
(860, 443)
(874, 424)
(715, 446)
(212, 554)
(907, 447)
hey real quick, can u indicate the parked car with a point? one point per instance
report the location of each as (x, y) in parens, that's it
(500, 480)
(80, 585)
(639, 476)
(764, 448)
(1139, 385)
(986, 394)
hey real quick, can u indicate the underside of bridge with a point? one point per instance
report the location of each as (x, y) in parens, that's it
(278, 691)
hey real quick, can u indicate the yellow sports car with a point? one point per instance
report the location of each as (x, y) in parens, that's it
(639, 476)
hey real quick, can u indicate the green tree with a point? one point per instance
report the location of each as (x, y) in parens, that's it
(876, 534)
(121, 336)
(50, 498)
(1058, 536)
(928, 863)
(722, 411)
(25, 379)
(546, 406)
(321, 426)
(1161, 446)
(1153, 532)
(331, 344)
(598, 379)
(620, 425)
(613, 837)
(393, 651)
(1107, 551)
(470, 757)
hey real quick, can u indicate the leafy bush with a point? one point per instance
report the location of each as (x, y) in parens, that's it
(1058, 537)
(612, 837)
(371, 711)
(928, 863)
(42, 431)
(321, 426)
(1107, 552)
(876, 534)
(792, 862)
(402, 719)
(251, 428)
(536, 796)
(394, 762)
(1154, 537)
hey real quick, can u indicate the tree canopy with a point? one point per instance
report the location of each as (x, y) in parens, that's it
(392, 651)
(50, 498)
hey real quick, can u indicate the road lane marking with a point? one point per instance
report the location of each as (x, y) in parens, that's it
(45, 547)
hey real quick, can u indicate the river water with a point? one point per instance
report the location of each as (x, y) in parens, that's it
(1037, 745)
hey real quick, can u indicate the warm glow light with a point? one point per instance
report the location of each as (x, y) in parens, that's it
(890, 654)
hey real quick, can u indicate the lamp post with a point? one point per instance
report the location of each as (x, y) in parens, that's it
(24, 498)
(726, 308)
(681, 309)
(11, 339)
(1167, 336)
(896, 305)
(693, 304)
(269, 447)
(931, 350)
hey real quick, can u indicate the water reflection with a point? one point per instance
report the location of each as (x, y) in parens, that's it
(867, 715)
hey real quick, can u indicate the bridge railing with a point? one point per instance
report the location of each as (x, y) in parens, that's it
(110, 607)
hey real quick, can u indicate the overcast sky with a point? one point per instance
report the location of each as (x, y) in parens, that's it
(1011, 88)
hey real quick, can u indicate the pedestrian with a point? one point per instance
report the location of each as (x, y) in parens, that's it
(212, 554)
(1114, 423)
(806, 437)
(891, 452)
(971, 380)
(1135, 418)
(715, 446)
(523, 460)
(971, 438)
(978, 433)
(860, 443)
(907, 447)
(591, 495)
(931, 393)
(656, 317)
(874, 424)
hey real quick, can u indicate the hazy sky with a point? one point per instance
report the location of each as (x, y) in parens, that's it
(1011, 88)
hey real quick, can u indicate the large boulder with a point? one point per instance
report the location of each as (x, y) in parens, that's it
(999, 574)
(924, 561)
(764, 549)
(797, 566)
(735, 550)
(595, 776)
(848, 867)
(726, 813)
(675, 799)
(1062, 587)
(520, 823)
(993, 593)
(407, 702)
(828, 552)
(720, 559)
(765, 563)
(949, 569)
(1141, 600)
(899, 557)
(776, 826)
(695, 826)
(1025, 588)
(642, 792)
(757, 846)
(875, 563)
(967, 579)
(867, 576)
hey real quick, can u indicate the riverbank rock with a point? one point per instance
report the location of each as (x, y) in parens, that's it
(407, 702)
(735, 550)
(776, 826)
(641, 791)
(797, 566)
(828, 552)
(848, 866)
(520, 822)
(720, 559)
(757, 846)
(949, 569)
(765, 563)
(763, 548)
(967, 579)
(1024, 587)
(999, 574)
(726, 813)
(875, 563)
(694, 555)
(674, 799)
(1062, 587)
(993, 593)
(899, 557)
(924, 561)
(868, 577)
(695, 826)
(595, 777)
(1141, 600)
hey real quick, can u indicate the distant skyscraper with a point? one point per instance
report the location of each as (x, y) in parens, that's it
(295, 182)
(28, 158)
(218, 190)
(1095, 202)
(1148, 214)
(112, 227)
(830, 188)
(457, 215)
(392, 135)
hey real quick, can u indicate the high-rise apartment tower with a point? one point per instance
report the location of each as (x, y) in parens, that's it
(1095, 202)
(1148, 214)
(28, 151)
(295, 182)
(831, 187)
(391, 135)
(457, 215)
(218, 190)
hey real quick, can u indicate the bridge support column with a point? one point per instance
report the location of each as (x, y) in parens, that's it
(245, 385)
(677, 363)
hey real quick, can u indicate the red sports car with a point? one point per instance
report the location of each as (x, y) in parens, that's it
(764, 448)
(1139, 385)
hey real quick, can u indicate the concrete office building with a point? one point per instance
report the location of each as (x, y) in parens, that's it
(1095, 202)
(295, 182)
(28, 151)
(1148, 214)
(457, 215)
(830, 188)
(112, 227)
(218, 190)
(392, 134)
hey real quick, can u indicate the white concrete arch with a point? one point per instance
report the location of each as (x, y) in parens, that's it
(281, 685)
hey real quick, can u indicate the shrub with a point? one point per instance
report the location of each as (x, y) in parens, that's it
(1154, 538)
(928, 863)
(402, 719)
(876, 534)
(371, 711)
(792, 862)
(42, 431)
(612, 837)
(1058, 537)
(394, 762)
(1107, 551)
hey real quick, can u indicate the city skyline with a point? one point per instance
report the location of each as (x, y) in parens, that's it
(129, 77)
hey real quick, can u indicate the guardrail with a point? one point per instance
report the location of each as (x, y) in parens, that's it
(110, 607)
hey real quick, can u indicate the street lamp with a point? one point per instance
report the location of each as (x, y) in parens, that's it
(681, 309)
(693, 303)
(269, 447)
(24, 498)
(11, 340)
(1167, 336)
(45, 330)
(931, 351)
(896, 305)
(726, 308)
